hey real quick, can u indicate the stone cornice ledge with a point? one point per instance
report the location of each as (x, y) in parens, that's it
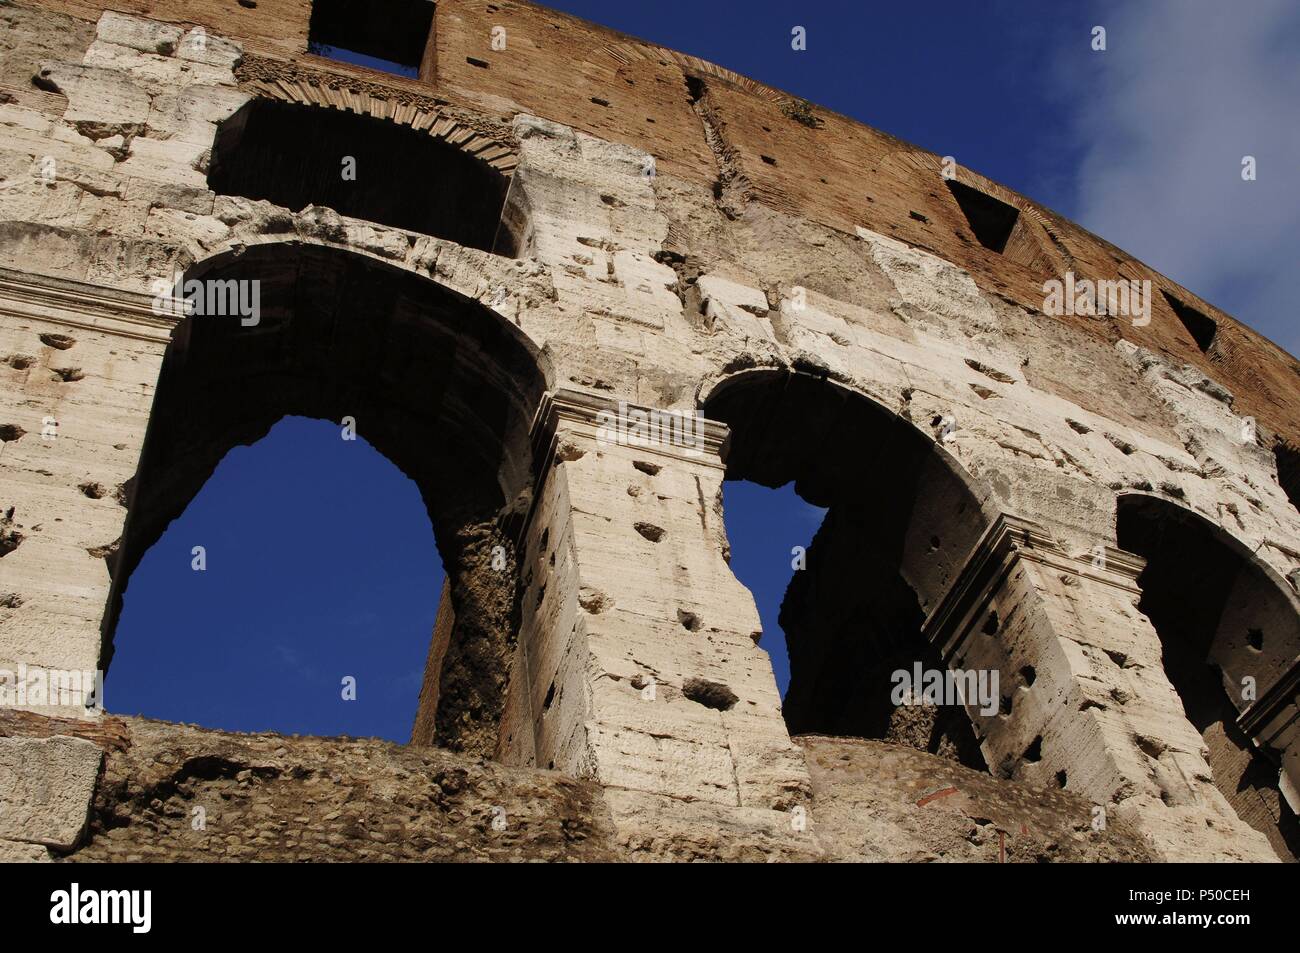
(82, 305)
(565, 412)
(591, 415)
(1008, 540)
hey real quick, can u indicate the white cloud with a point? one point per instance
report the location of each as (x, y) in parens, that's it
(1186, 89)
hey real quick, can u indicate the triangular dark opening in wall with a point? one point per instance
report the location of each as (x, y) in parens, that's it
(1199, 326)
(1288, 471)
(990, 219)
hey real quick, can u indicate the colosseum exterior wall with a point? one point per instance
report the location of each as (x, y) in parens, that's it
(633, 231)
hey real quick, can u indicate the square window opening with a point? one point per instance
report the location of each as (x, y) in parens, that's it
(386, 35)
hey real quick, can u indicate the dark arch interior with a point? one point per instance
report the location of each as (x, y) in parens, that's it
(1288, 471)
(395, 31)
(441, 386)
(294, 155)
(1220, 618)
(899, 526)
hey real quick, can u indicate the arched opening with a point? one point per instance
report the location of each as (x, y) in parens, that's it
(899, 525)
(438, 384)
(360, 166)
(295, 594)
(1229, 632)
(768, 533)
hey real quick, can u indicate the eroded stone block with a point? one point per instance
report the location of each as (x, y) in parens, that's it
(45, 789)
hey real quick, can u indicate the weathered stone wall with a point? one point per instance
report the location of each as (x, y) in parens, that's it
(176, 793)
(880, 802)
(653, 263)
(172, 792)
(68, 459)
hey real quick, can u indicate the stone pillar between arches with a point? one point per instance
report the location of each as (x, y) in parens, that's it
(1085, 702)
(637, 662)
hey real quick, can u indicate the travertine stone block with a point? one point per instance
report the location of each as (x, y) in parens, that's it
(45, 789)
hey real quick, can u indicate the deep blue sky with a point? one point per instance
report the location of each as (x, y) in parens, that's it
(320, 554)
(763, 526)
(320, 565)
(957, 77)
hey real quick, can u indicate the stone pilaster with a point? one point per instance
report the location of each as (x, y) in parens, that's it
(1085, 702)
(639, 644)
(81, 366)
